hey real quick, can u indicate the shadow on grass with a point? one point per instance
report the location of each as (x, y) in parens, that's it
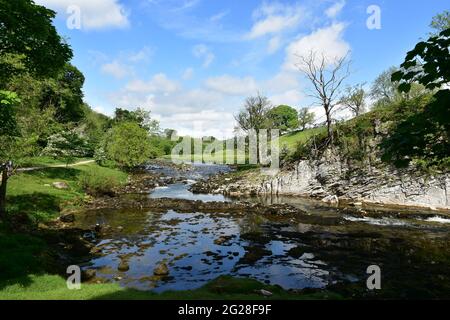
(35, 202)
(63, 173)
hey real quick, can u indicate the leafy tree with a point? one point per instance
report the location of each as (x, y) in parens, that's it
(354, 99)
(305, 118)
(283, 117)
(26, 29)
(326, 78)
(139, 116)
(128, 145)
(254, 117)
(441, 21)
(169, 133)
(66, 145)
(8, 131)
(428, 64)
(384, 90)
(65, 94)
(426, 134)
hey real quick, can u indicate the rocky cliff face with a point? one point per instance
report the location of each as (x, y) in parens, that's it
(332, 179)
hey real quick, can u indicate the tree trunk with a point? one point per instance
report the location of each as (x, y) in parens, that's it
(257, 147)
(4, 172)
(329, 128)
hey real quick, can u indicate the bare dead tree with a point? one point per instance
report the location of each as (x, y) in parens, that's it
(326, 78)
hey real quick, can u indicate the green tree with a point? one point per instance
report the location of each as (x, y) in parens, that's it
(283, 117)
(128, 145)
(384, 90)
(140, 116)
(424, 135)
(441, 21)
(26, 29)
(305, 118)
(354, 99)
(8, 133)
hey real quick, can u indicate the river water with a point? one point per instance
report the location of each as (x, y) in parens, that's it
(327, 246)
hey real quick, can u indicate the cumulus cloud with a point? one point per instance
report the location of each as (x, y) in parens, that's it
(201, 51)
(335, 9)
(159, 83)
(232, 85)
(274, 18)
(116, 69)
(95, 14)
(326, 41)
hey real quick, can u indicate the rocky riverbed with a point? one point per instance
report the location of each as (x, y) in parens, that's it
(157, 234)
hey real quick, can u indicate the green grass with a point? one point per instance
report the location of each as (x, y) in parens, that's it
(291, 140)
(52, 287)
(45, 161)
(32, 192)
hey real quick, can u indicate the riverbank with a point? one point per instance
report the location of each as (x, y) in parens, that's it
(123, 237)
(332, 180)
(39, 239)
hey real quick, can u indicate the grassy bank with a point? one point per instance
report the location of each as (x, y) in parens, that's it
(51, 287)
(26, 258)
(33, 193)
(32, 199)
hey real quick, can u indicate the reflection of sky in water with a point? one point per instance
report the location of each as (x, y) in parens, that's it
(186, 242)
(180, 191)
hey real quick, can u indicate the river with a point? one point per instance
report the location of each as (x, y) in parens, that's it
(325, 247)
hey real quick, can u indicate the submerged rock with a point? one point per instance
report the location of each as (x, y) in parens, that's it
(88, 274)
(161, 269)
(123, 266)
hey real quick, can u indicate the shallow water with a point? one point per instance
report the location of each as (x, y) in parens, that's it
(312, 251)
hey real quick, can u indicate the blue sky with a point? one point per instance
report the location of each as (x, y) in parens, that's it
(193, 62)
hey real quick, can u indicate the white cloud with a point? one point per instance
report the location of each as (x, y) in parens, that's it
(232, 85)
(327, 41)
(201, 51)
(290, 97)
(274, 18)
(219, 16)
(274, 45)
(95, 14)
(335, 9)
(159, 83)
(187, 74)
(116, 69)
(142, 55)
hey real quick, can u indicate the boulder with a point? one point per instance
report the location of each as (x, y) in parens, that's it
(70, 217)
(60, 185)
(332, 199)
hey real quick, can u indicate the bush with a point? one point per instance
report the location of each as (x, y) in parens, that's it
(128, 145)
(96, 184)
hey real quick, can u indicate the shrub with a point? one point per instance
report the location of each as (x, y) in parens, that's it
(96, 184)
